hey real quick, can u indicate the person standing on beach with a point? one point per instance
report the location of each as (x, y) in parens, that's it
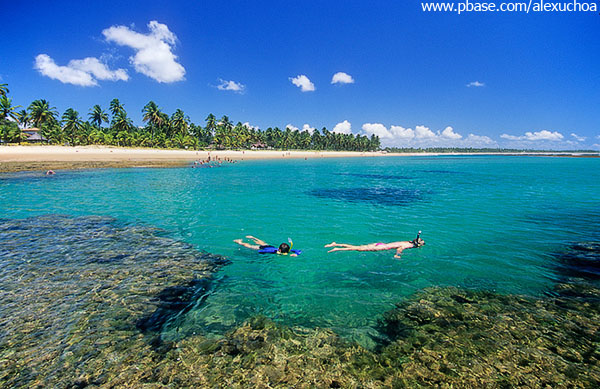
(398, 246)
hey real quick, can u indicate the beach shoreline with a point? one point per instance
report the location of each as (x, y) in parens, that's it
(27, 158)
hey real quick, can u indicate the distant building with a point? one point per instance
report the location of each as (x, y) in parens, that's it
(33, 135)
(258, 146)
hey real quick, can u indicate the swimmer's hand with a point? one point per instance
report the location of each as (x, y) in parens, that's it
(398, 256)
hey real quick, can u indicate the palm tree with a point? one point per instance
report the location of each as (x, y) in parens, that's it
(72, 125)
(121, 122)
(179, 123)
(3, 89)
(24, 118)
(7, 110)
(211, 124)
(97, 115)
(153, 114)
(42, 114)
(116, 107)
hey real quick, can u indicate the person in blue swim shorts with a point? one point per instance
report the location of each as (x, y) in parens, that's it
(264, 248)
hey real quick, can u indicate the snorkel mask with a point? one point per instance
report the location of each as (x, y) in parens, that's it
(418, 242)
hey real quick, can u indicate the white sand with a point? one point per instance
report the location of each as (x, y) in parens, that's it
(105, 153)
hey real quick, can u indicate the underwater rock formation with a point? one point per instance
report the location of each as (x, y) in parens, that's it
(84, 299)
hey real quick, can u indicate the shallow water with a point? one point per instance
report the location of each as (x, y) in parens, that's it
(493, 223)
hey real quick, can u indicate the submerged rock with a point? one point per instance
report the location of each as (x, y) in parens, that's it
(73, 290)
(83, 299)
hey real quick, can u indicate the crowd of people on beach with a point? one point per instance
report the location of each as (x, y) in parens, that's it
(212, 162)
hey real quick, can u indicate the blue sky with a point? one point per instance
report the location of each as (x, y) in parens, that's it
(418, 79)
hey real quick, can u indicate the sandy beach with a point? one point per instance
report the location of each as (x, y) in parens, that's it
(24, 158)
(20, 158)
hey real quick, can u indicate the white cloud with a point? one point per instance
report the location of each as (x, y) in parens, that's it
(342, 78)
(579, 138)
(308, 128)
(377, 129)
(302, 82)
(422, 136)
(344, 127)
(450, 134)
(401, 133)
(153, 56)
(231, 85)
(82, 72)
(422, 132)
(543, 135)
(291, 127)
(479, 141)
(247, 124)
(475, 84)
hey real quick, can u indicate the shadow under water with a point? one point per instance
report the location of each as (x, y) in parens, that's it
(375, 195)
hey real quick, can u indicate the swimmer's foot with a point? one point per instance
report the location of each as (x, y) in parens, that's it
(332, 244)
(238, 241)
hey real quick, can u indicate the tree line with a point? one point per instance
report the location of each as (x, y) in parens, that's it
(161, 130)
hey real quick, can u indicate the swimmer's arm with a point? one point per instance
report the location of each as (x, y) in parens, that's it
(398, 253)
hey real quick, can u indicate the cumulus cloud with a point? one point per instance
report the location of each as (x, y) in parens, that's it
(291, 127)
(248, 125)
(231, 85)
(377, 129)
(82, 72)
(153, 56)
(422, 132)
(308, 128)
(450, 134)
(475, 84)
(578, 138)
(342, 78)
(343, 127)
(422, 136)
(302, 82)
(543, 135)
(479, 141)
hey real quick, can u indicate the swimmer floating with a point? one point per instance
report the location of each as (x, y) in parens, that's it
(264, 248)
(398, 246)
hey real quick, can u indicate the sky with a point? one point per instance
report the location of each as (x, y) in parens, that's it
(414, 78)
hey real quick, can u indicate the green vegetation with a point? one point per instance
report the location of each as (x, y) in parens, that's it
(164, 131)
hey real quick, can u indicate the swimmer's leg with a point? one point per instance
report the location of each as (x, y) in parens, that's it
(341, 249)
(333, 244)
(259, 242)
(247, 245)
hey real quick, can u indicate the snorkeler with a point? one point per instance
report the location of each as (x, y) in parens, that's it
(265, 248)
(398, 246)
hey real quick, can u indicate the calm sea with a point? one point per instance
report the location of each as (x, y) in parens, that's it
(495, 223)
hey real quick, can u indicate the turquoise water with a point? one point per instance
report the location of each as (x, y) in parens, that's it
(488, 222)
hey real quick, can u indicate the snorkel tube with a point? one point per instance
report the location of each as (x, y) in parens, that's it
(292, 243)
(415, 241)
